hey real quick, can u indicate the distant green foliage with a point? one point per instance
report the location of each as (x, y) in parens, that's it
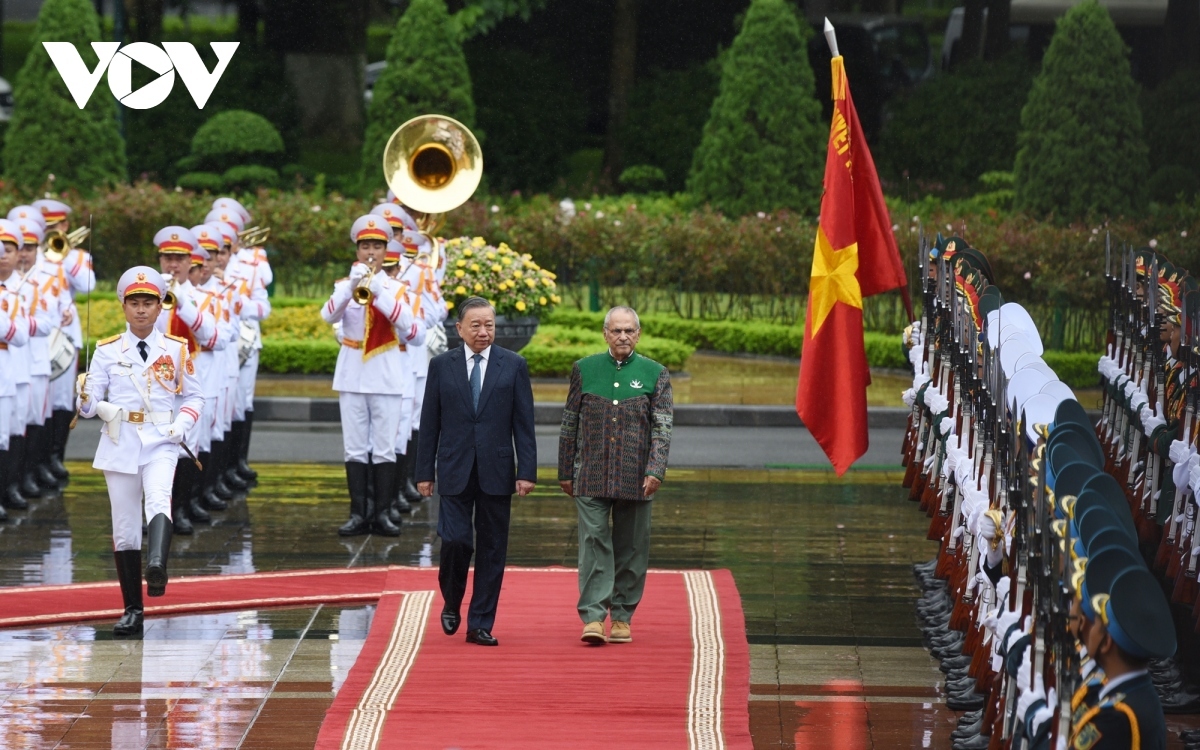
(236, 137)
(667, 112)
(48, 133)
(1170, 114)
(950, 130)
(1076, 369)
(249, 177)
(643, 178)
(201, 182)
(300, 357)
(762, 147)
(1080, 151)
(555, 348)
(426, 74)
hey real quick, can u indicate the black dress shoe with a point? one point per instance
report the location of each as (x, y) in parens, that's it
(978, 742)
(221, 490)
(356, 526)
(481, 637)
(450, 621)
(964, 702)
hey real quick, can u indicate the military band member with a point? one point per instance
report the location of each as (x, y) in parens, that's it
(14, 333)
(217, 491)
(143, 386)
(369, 375)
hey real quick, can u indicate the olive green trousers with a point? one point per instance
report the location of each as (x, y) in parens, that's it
(612, 558)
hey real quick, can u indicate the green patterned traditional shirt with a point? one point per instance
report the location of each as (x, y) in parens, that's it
(616, 427)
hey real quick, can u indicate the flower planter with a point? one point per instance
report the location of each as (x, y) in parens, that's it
(511, 333)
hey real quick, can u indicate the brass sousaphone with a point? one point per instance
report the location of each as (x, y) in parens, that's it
(433, 164)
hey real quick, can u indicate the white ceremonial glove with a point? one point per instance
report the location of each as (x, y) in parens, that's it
(177, 429)
(1194, 479)
(1180, 452)
(1003, 587)
(908, 397)
(1006, 620)
(107, 412)
(1129, 388)
(946, 426)
(1152, 424)
(358, 272)
(379, 283)
(1029, 694)
(1182, 469)
(1138, 399)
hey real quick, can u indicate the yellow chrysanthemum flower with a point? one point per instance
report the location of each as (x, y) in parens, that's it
(478, 242)
(555, 298)
(478, 287)
(541, 300)
(521, 305)
(460, 273)
(449, 305)
(496, 268)
(460, 290)
(475, 268)
(491, 256)
(467, 253)
(518, 274)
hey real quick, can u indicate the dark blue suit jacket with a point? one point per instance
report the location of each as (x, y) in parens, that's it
(456, 437)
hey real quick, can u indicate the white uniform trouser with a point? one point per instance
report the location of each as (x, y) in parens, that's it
(6, 407)
(370, 422)
(125, 492)
(20, 410)
(39, 399)
(418, 401)
(247, 376)
(62, 390)
(405, 432)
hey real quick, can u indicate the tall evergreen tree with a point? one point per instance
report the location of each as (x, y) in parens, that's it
(763, 144)
(48, 133)
(1080, 150)
(426, 73)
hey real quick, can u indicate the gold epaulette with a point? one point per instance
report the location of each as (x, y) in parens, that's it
(173, 337)
(108, 340)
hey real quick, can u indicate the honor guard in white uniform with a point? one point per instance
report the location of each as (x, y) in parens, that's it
(75, 276)
(14, 333)
(143, 386)
(376, 325)
(216, 491)
(22, 484)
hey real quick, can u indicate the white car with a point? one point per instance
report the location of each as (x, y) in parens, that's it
(6, 101)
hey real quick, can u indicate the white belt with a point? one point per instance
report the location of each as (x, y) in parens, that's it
(147, 417)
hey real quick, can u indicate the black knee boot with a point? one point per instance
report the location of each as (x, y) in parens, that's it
(384, 476)
(45, 478)
(243, 456)
(179, 496)
(196, 495)
(3, 482)
(29, 462)
(217, 489)
(129, 573)
(400, 504)
(158, 549)
(61, 432)
(410, 458)
(356, 482)
(229, 472)
(12, 496)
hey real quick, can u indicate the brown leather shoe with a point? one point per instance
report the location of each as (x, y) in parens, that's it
(620, 633)
(593, 633)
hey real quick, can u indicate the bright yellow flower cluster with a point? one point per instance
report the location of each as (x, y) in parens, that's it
(511, 281)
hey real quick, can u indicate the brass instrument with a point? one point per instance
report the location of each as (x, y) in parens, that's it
(362, 292)
(169, 299)
(253, 236)
(59, 243)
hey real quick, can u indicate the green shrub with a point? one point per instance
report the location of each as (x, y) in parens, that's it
(642, 178)
(667, 112)
(1172, 182)
(49, 134)
(762, 147)
(236, 137)
(1080, 150)
(426, 74)
(555, 348)
(975, 132)
(1076, 369)
(301, 357)
(1169, 115)
(249, 177)
(205, 182)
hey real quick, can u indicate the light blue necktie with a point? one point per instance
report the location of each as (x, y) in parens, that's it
(476, 380)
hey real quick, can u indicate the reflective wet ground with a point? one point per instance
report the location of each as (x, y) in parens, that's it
(822, 566)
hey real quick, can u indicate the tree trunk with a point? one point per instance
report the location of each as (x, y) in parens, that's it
(968, 44)
(622, 72)
(148, 19)
(997, 41)
(1181, 48)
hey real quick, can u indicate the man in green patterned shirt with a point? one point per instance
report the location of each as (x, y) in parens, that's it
(612, 456)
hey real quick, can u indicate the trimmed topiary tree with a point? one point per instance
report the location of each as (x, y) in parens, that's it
(245, 147)
(426, 73)
(48, 133)
(1080, 150)
(763, 147)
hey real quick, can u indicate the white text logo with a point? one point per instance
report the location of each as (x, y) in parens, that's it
(118, 61)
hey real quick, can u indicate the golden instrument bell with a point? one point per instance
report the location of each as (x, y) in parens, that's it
(433, 163)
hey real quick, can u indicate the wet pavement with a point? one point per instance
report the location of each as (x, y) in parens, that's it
(822, 566)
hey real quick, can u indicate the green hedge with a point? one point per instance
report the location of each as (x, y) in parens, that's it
(1076, 369)
(299, 357)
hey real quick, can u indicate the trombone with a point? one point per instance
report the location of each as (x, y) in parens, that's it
(59, 243)
(253, 236)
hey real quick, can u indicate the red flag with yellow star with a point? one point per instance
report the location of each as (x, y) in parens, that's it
(855, 256)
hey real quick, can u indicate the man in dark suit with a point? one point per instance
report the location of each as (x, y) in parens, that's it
(478, 404)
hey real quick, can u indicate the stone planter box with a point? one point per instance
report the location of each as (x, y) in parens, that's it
(511, 333)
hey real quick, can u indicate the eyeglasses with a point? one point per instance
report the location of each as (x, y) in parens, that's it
(620, 331)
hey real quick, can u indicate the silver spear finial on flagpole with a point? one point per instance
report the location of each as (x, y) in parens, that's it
(831, 38)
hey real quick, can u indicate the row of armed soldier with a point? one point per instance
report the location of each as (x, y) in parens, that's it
(1062, 602)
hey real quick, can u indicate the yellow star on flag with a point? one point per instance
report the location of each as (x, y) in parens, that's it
(833, 279)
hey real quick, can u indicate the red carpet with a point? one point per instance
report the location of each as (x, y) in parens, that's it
(682, 683)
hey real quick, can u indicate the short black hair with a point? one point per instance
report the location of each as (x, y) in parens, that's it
(471, 303)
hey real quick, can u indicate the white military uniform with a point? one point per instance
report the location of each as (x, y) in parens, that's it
(136, 397)
(14, 334)
(249, 270)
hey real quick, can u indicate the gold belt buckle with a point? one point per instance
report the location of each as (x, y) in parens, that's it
(137, 417)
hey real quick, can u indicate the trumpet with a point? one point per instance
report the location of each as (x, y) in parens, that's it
(59, 243)
(169, 299)
(362, 292)
(253, 236)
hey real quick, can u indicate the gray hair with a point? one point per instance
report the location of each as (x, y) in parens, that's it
(622, 309)
(473, 302)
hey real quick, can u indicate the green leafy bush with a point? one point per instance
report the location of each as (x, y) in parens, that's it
(642, 178)
(249, 177)
(1076, 369)
(426, 74)
(1170, 113)
(667, 112)
(1172, 182)
(300, 357)
(204, 182)
(49, 134)
(1080, 151)
(762, 147)
(555, 348)
(235, 138)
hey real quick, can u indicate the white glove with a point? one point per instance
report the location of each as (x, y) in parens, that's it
(1194, 480)
(379, 284)
(1029, 695)
(1183, 469)
(177, 429)
(107, 412)
(946, 426)
(1138, 399)
(1180, 452)
(994, 556)
(908, 397)
(1152, 424)
(1043, 714)
(358, 272)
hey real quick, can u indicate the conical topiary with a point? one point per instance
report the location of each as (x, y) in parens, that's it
(426, 73)
(1080, 150)
(48, 133)
(763, 146)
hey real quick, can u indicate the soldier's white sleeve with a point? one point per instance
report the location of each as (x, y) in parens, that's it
(203, 324)
(43, 320)
(96, 386)
(255, 306)
(80, 275)
(224, 333)
(17, 331)
(333, 310)
(193, 397)
(391, 300)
